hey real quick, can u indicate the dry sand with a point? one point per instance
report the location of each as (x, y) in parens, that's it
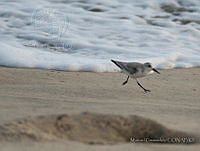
(174, 102)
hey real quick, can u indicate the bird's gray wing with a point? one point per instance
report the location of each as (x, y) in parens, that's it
(121, 65)
(131, 67)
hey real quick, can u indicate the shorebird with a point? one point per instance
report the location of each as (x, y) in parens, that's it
(135, 70)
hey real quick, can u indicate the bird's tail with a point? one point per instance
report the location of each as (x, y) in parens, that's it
(117, 63)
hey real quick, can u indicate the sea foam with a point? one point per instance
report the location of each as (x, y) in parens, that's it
(84, 35)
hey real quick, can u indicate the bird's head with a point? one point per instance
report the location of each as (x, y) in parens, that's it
(149, 67)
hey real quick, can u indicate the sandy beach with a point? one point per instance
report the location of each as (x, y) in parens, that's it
(174, 102)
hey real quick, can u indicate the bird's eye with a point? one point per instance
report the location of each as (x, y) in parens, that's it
(149, 66)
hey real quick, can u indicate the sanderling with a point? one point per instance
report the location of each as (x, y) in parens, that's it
(135, 70)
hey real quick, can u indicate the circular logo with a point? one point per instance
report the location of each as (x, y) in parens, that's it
(50, 21)
(54, 24)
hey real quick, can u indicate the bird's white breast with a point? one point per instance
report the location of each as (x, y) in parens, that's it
(138, 74)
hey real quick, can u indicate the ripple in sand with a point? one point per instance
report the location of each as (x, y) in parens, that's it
(90, 128)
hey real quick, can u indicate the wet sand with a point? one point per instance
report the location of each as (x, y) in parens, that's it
(173, 102)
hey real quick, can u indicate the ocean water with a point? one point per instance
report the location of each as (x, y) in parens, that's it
(83, 35)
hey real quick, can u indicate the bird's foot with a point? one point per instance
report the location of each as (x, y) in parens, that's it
(145, 90)
(124, 82)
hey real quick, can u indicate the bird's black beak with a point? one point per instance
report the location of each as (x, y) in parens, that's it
(155, 70)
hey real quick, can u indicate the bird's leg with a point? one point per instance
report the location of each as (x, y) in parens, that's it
(145, 90)
(125, 81)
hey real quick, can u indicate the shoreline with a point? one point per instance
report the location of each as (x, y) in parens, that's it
(35, 68)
